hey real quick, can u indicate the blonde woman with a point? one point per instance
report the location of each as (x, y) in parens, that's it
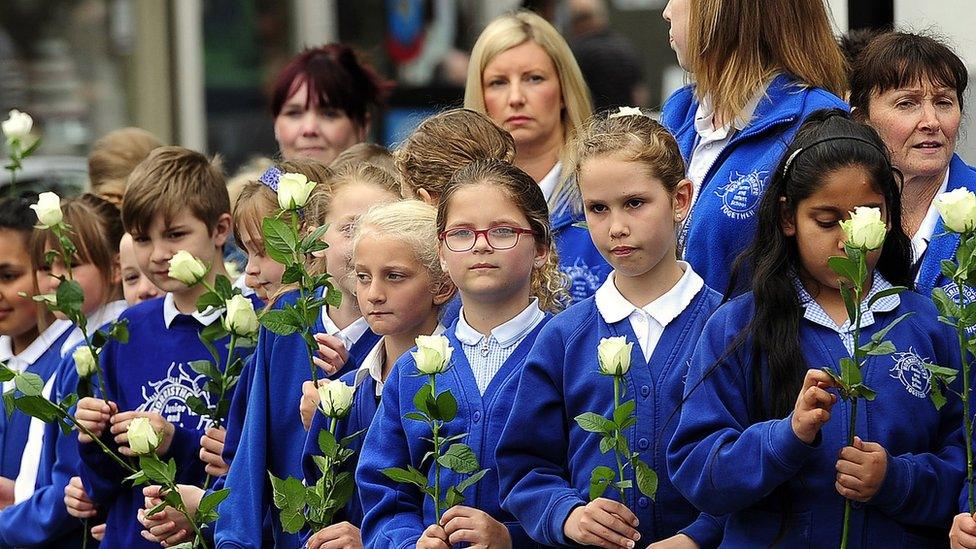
(524, 77)
(759, 68)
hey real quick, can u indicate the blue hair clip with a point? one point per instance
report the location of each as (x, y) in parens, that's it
(270, 178)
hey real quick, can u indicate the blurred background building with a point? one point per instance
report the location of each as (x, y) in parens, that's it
(196, 72)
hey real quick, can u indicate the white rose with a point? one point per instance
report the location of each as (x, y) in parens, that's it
(48, 210)
(614, 355)
(186, 268)
(240, 318)
(865, 229)
(433, 354)
(18, 125)
(335, 398)
(50, 300)
(293, 191)
(143, 439)
(85, 363)
(958, 210)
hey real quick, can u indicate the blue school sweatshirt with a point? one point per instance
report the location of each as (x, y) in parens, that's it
(365, 404)
(727, 201)
(149, 373)
(579, 259)
(760, 473)
(42, 519)
(272, 436)
(397, 514)
(545, 458)
(944, 244)
(43, 356)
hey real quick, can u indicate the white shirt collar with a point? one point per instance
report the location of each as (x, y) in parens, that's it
(614, 307)
(549, 182)
(506, 334)
(170, 312)
(348, 335)
(36, 348)
(102, 316)
(706, 110)
(922, 237)
(372, 365)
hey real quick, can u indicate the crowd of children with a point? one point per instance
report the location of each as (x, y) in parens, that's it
(458, 235)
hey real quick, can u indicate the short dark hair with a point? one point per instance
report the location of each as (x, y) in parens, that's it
(897, 59)
(336, 78)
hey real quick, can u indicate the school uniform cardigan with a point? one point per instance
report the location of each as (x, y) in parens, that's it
(943, 244)
(397, 514)
(722, 221)
(272, 437)
(545, 458)
(780, 490)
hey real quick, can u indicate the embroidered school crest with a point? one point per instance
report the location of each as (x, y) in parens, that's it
(909, 368)
(167, 397)
(740, 196)
(583, 282)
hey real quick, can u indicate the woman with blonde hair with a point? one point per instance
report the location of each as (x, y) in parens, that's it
(523, 76)
(759, 67)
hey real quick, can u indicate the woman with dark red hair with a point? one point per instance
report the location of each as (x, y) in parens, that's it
(321, 102)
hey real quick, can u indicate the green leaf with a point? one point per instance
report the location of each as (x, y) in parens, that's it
(348, 439)
(471, 480)
(863, 391)
(416, 416)
(223, 287)
(623, 412)
(288, 493)
(333, 297)
(446, 406)
(292, 274)
(279, 321)
(894, 290)
(833, 375)
(848, 295)
(600, 480)
(198, 406)
(882, 349)
(935, 395)
(946, 306)
(844, 267)
(155, 470)
(37, 406)
(280, 241)
(850, 374)
(314, 236)
(327, 443)
(212, 500)
(948, 269)
(120, 331)
(8, 403)
(292, 520)
(29, 383)
(607, 443)
(595, 423)
(459, 458)
(70, 297)
(6, 374)
(205, 367)
(453, 498)
(209, 300)
(421, 400)
(646, 478)
(406, 476)
(880, 334)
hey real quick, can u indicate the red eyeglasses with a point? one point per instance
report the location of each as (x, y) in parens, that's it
(502, 237)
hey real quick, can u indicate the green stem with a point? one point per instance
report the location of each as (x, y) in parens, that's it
(435, 427)
(85, 534)
(97, 440)
(616, 451)
(966, 414)
(852, 422)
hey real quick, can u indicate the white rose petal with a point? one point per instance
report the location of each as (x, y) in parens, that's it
(85, 363)
(865, 229)
(614, 355)
(48, 210)
(143, 439)
(294, 190)
(958, 210)
(17, 125)
(433, 354)
(186, 268)
(335, 398)
(240, 318)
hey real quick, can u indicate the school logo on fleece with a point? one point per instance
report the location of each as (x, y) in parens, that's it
(167, 397)
(741, 194)
(582, 281)
(909, 368)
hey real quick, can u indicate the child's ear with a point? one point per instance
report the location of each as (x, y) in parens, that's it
(222, 229)
(682, 199)
(444, 292)
(541, 256)
(787, 219)
(116, 271)
(426, 196)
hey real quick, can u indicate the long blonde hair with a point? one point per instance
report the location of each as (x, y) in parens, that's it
(513, 29)
(736, 46)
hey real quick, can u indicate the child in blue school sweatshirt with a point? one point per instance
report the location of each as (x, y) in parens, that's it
(762, 436)
(658, 303)
(273, 437)
(401, 287)
(497, 246)
(176, 200)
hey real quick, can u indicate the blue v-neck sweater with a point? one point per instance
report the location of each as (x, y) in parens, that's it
(944, 244)
(272, 437)
(546, 459)
(397, 514)
(780, 491)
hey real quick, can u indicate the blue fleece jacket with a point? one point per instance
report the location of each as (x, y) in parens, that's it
(273, 437)
(397, 514)
(761, 473)
(944, 244)
(365, 403)
(150, 373)
(729, 196)
(546, 459)
(578, 257)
